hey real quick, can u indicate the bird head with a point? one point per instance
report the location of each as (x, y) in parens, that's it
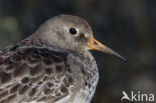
(72, 33)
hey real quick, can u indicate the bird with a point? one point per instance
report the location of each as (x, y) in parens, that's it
(53, 65)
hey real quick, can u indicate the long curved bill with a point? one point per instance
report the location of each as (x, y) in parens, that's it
(96, 45)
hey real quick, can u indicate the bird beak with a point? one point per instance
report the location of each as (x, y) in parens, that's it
(96, 45)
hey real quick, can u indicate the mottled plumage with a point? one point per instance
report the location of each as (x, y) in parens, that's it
(52, 66)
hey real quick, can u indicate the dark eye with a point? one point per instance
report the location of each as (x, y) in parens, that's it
(72, 31)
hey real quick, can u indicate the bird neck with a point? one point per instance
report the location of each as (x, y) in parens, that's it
(39, 42)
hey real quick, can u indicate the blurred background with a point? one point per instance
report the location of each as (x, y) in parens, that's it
(127, 26)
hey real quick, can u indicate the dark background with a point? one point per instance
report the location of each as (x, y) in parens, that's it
(127, 26)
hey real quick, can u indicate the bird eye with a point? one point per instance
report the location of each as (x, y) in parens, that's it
(72, 31)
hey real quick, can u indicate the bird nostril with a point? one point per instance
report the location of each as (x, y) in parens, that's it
(95, 43)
